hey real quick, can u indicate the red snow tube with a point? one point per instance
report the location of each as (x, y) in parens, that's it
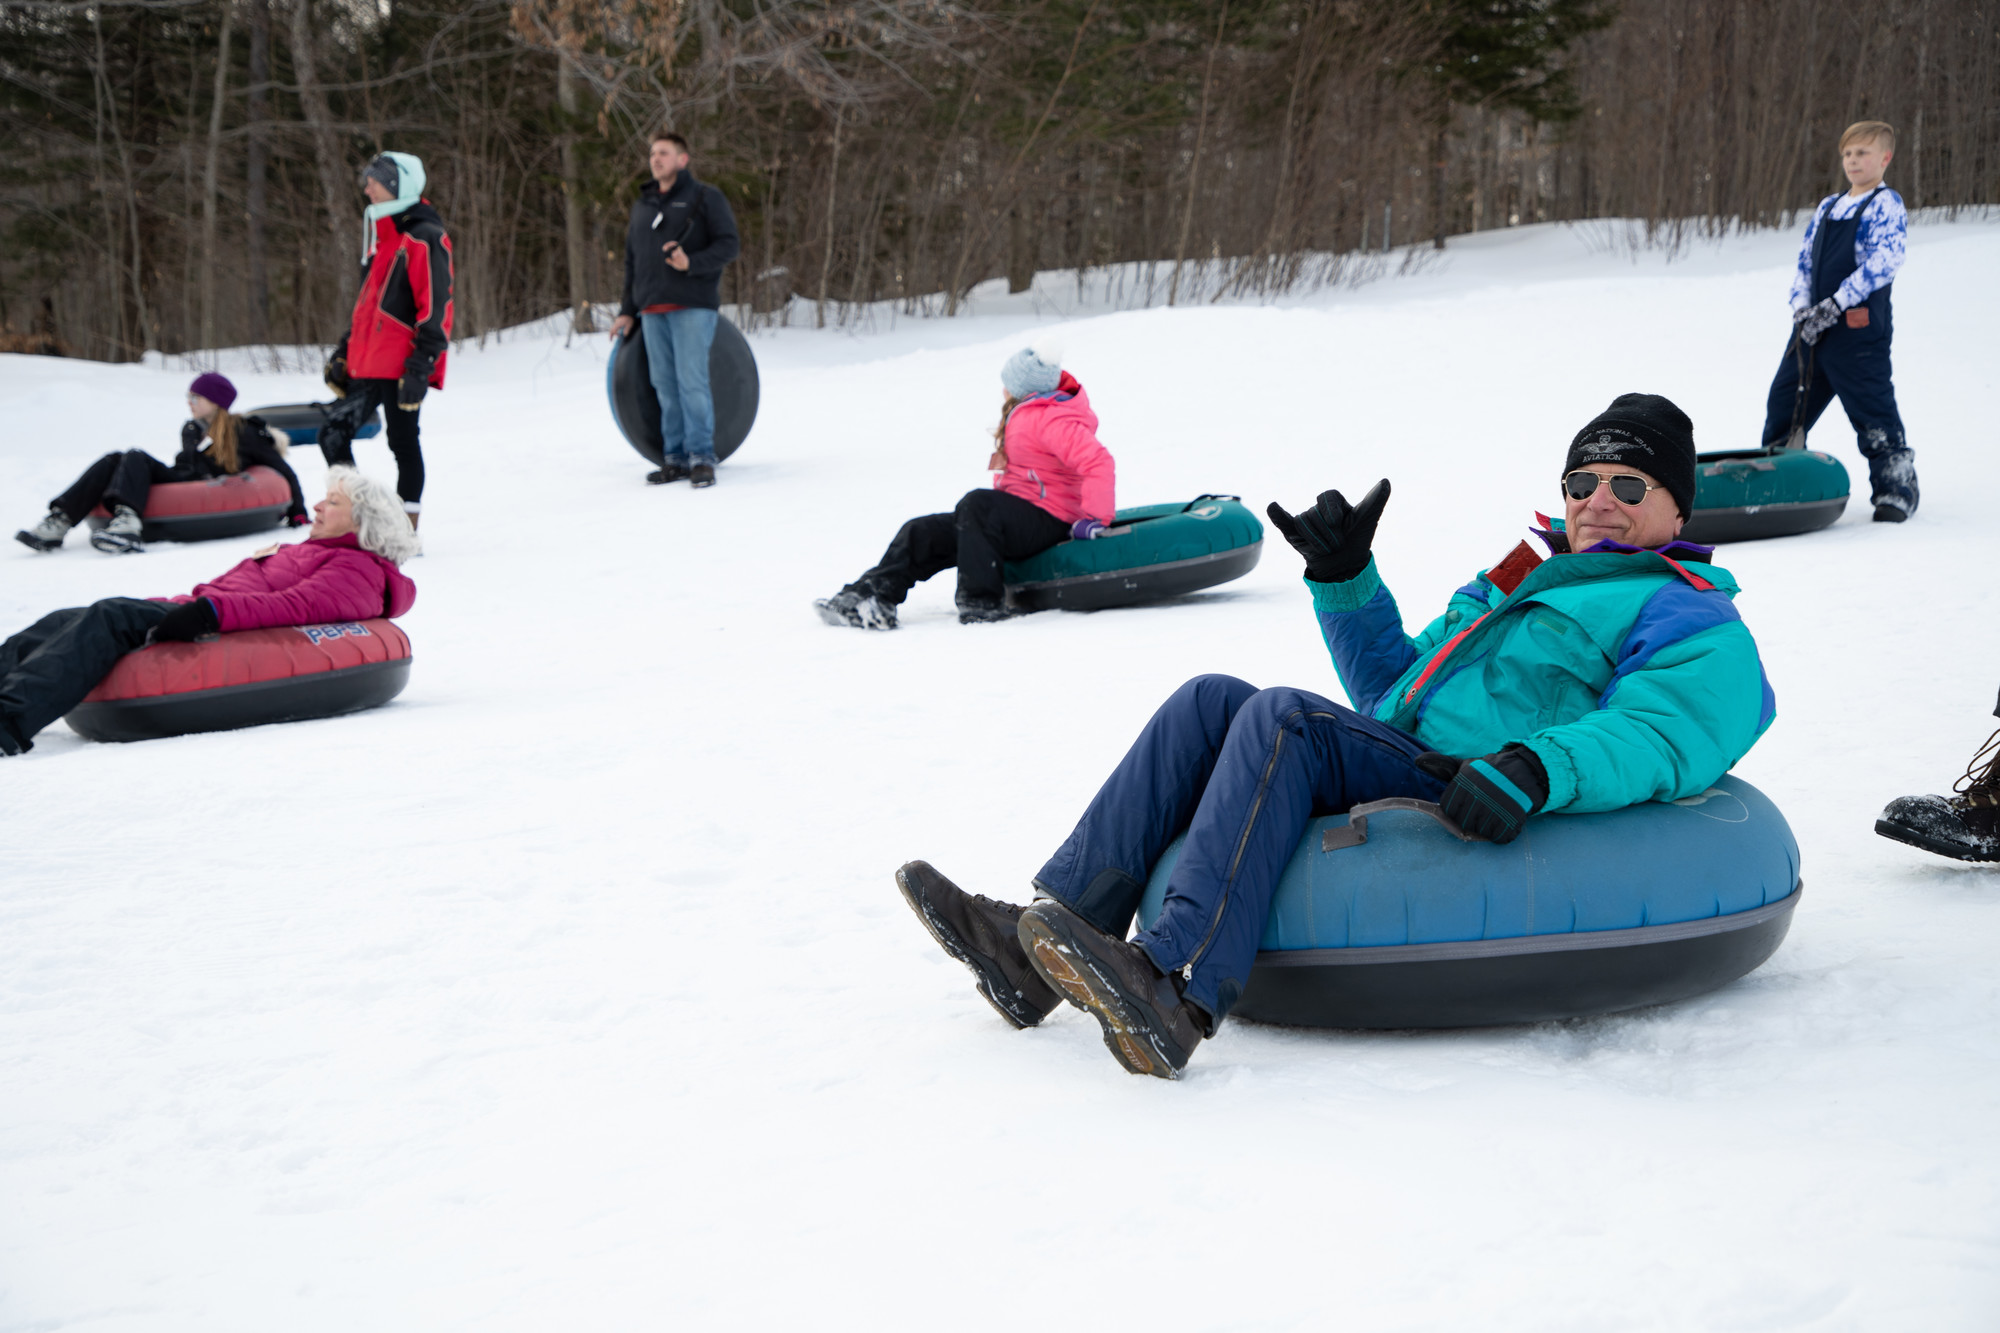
(246, 679)
(195, 511)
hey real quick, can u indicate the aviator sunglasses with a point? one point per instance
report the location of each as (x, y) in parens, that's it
(1626, 489)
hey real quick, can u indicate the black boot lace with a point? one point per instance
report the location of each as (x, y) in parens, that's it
(1981, 783)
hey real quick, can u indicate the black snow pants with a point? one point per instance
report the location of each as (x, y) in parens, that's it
(116, 479)
(988, 527)
(336, 438)
(47, 668)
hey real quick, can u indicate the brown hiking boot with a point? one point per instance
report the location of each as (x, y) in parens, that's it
(1964, 826)
(982, 934)
(1148, 1028)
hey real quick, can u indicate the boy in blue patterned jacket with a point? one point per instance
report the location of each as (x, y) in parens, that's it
(1841, 326)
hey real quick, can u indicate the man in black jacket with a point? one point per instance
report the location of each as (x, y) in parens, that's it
(682, 235)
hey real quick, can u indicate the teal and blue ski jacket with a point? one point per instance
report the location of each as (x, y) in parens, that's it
(1630, 675)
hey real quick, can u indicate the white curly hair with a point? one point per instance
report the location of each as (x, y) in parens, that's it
(380, 524)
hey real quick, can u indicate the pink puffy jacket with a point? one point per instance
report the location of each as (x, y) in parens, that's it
(1053, 457)
(327, 580)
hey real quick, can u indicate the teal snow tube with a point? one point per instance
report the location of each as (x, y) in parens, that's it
(1756, 493)
(1149, 552)
(1388, 917)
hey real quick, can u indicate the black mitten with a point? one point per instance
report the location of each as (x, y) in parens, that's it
(1333, 535)
(1492, 796)
(187, 622)
(412, 387)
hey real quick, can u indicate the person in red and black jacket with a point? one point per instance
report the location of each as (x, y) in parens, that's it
(394, 348)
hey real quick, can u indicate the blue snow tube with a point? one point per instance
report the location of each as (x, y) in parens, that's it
(302, 422)
(1388, 917)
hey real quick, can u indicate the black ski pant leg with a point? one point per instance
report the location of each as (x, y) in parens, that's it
(401, 428)
(138, 472)
(1782, 402)
(47, 668)
(336, 441)
(1857, 367)
(994, 527)
(921, 548)
(98, 480)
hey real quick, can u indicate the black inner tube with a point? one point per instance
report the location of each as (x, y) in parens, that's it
(732, 379)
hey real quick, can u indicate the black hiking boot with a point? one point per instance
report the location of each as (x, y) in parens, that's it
(1964, 826)
(851, 608)
(48, 534)
(667, 473)
(1148, 1028)
(983, 935)
(983, 611)
(1890, 513)
(701, 474)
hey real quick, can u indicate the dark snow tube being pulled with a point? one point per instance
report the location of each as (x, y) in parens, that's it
(732, 381)
(197, 511)
(1756, 493)
(1149, 553)
(1386, 917)
(302, 422)
(246, 679)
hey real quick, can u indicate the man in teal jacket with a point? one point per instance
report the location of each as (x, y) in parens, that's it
(1614, 671)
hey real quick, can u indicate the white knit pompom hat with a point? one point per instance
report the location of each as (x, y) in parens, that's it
(1034, 369)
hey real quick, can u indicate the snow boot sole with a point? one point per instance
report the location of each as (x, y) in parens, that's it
(1025, 1006)
(113, 543)
(34, 543)
(1923, 841)
(1066, 960)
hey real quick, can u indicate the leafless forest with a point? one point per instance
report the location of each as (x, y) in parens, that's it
(182, 174)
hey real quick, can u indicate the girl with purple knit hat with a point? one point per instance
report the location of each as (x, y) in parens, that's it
(122, 481)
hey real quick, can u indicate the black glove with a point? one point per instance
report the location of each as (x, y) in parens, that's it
(191, 434)
(1333, 535)
(335, 374)
(1817, 320)
(1492, 796)
(186, 623)
(411, 389)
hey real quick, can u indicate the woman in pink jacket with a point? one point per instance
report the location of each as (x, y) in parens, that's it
(346, 569)
(1054, 483)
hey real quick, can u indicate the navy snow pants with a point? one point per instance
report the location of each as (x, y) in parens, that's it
(47, 668)
(1853, 365)
(1242, 770)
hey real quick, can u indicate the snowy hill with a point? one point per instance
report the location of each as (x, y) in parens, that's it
(572, 991)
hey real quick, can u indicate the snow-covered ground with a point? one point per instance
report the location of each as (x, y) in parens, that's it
(572, 990)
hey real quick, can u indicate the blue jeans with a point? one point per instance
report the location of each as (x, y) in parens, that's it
(1242, 770)
(677, 343)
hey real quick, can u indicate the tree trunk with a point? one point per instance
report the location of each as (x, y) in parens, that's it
(342, 251)
(1440, 163)
(208, 256)
(580, 320)
(255, 167)
(1194, 163)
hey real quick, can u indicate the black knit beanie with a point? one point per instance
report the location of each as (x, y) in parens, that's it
(384, 169)
(1643, 431)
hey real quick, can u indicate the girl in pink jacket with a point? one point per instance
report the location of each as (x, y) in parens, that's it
(346, 569)
(1054, 482)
